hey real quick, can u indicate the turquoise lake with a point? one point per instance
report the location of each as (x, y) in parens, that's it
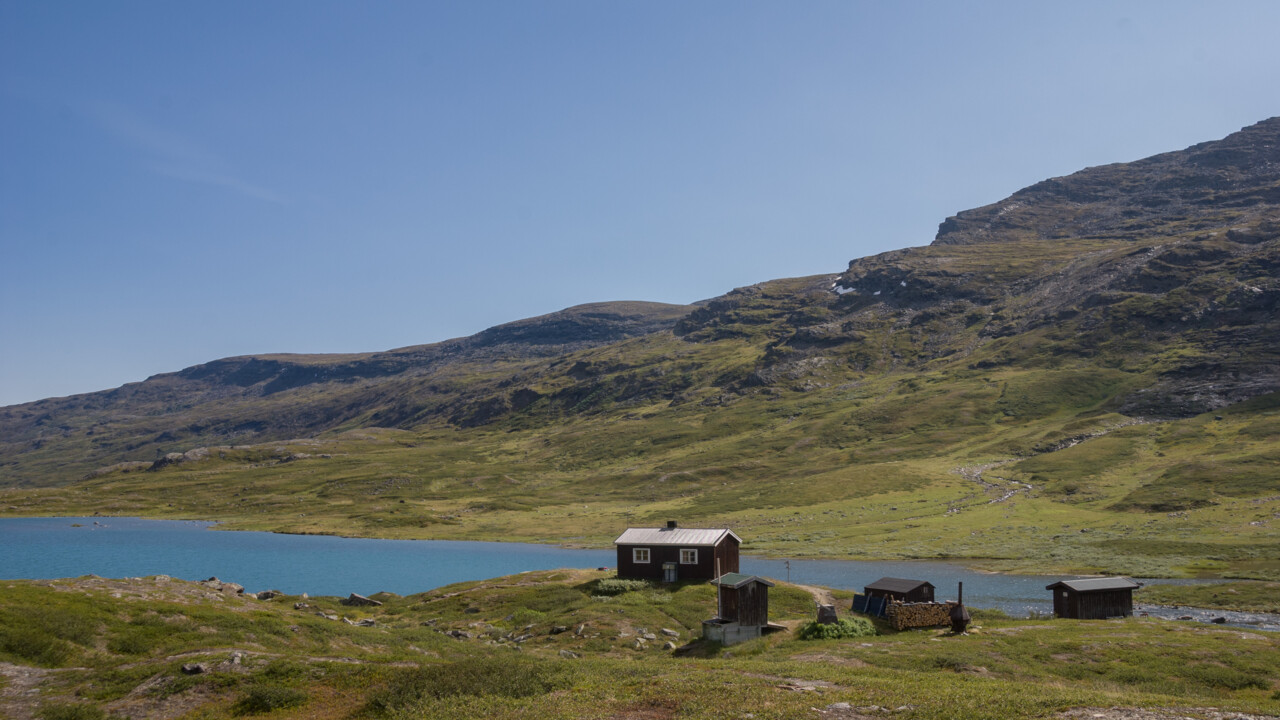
(42, 548)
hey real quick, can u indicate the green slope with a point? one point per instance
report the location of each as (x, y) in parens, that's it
(556, 645)
(1083, 376)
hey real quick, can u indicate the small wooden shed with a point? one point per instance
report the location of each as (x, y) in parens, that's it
(742, 609)
(674, 553)
(900, 589)
(1093, 598)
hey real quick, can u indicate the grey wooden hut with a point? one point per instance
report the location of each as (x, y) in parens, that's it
(900, 589)
(742, 609)
(1093, 598)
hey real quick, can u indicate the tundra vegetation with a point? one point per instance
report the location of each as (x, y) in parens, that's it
(550, 645)
(1084, 376)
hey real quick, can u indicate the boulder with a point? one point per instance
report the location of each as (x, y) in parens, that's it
(827, 615)
(558, 629)
(360, 600)
(670, 633)
(194, 668)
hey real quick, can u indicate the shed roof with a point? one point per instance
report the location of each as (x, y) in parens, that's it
(737, 580)
(1095, 584)
(897, 585)
(685, 537)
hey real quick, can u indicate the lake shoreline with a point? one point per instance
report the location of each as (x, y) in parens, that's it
(971, 563)
(116, 546)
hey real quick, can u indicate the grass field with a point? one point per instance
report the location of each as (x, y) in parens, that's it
(551, 645)
(1175, 498)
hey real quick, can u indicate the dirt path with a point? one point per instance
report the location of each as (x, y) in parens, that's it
(974, 473)
(1010, 488)
(20, 693)
(821, 596)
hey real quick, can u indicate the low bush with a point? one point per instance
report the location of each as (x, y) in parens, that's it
(1216, 676)
(988, 614)
(34, 646)
(844, 628)
(618, 586)
(68, 711)
(510, 677)
(265, 698)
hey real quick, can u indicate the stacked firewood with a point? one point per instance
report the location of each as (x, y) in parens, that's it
(916, 615)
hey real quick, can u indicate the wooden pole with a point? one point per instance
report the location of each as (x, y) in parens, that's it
(719, 591)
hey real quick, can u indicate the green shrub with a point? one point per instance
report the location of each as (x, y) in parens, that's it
(1216, 676)
(988, 614)
(38, 647)
(509, 677)
(950, 662)
(265, 698)
(844, 628)
(136, 640)
(525, 616)
(67, 624)
(285, 671)
(61, 711)
(618, 586)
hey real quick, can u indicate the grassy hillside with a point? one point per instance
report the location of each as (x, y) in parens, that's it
(798, 479)
(1083, 376)
(562, 644)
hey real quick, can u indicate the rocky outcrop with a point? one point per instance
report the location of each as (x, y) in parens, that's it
(1186, 190)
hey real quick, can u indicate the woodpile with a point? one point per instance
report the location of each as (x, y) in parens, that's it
(917, 615)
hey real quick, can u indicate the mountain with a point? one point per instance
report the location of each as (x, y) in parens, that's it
(1089, 354)
(270, 397)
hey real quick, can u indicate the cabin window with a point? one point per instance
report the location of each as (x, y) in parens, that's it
(1064, 593)
(688, 557)
(640, 555)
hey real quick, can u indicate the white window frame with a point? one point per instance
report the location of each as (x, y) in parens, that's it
(640, 556)
(693, 552)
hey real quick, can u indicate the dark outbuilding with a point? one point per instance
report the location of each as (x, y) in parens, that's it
(674, 553)
(1093, 598)
(899, 589)
(742, 609)
(742, 598)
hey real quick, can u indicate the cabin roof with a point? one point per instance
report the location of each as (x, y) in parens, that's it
(737, 580)
(897, 585)
(686, 537)
(1095, 584)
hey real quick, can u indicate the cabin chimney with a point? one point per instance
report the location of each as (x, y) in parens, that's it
(671, 524)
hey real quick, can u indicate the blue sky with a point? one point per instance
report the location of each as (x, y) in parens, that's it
(181, 182)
